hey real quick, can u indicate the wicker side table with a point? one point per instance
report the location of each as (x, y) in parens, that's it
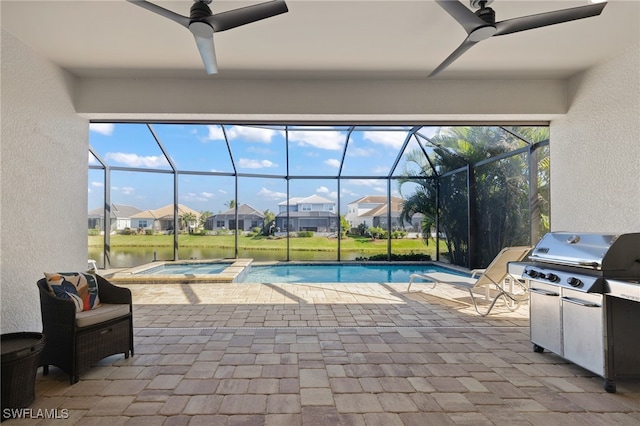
(20, 361)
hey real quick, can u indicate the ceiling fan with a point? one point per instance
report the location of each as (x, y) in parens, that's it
(482, 24)
(202, 23)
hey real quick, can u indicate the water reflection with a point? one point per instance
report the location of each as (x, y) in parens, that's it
(128, 257)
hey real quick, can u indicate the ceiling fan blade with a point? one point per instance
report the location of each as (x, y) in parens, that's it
(466, 45)
(203, 35)
(462, 14)
(245, 15)
(182, 20)
(549, 18)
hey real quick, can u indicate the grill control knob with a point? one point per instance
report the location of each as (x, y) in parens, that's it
(574, 282)
(553, 278)
(533, 274)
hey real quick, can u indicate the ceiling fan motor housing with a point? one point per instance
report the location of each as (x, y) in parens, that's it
(487, 14)
(199, 11)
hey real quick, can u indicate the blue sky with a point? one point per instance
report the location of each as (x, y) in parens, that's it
(313, 151)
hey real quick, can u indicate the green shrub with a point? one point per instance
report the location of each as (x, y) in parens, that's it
(305, 234)
(398, 234)
(149, 231)
(94, 232)
(127, 231)
(377, 233)
(397, 257)
(256, 230)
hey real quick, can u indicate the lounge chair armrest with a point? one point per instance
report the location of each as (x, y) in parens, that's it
(475, 272)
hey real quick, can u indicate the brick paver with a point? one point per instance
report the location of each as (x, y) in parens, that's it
(290, 354)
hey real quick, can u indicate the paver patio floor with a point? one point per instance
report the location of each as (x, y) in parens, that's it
(327, 354)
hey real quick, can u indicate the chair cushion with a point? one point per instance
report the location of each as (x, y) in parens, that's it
(105, 312)
(80, 287)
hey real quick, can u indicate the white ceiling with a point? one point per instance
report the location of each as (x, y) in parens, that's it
(317, 39)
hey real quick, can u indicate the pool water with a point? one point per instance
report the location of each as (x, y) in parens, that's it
(339, 273)
(186, 268)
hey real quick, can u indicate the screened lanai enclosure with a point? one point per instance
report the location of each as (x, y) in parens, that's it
(452, 193)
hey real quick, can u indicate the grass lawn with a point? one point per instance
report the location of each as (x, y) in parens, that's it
(359, 244)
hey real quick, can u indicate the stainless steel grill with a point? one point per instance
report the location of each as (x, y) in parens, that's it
(585, 301)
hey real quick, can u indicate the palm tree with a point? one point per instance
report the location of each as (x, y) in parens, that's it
(204, 215)
(269, 219)
(187, 220)
(501, 214)
(344, 226)
(231, 204)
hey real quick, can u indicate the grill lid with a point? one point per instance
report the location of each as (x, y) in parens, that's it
(611, 253)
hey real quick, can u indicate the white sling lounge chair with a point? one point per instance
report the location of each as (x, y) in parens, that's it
(491, 277)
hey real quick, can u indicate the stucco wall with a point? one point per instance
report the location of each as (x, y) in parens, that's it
(286, 100)
(595, 150)
(43, 174)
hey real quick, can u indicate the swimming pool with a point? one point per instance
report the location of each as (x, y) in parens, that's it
(245, 271)
(340, 273)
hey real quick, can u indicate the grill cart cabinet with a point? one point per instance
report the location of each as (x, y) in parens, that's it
(585, 301)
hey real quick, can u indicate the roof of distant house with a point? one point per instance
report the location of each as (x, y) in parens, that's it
(312, 199)
(382, 207)
(243, 210)
(165, 212)
(376, 199)
(323, 213)
(117, 211)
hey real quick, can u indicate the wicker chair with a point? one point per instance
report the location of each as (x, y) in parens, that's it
(73, 343)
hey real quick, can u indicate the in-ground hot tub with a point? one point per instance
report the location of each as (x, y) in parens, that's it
(185, 272)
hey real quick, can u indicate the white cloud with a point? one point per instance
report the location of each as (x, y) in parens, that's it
(222, 191)
(97, 184)
(102, 128)
(345, 191)
(272, 195)
(373, 184)
(252, 134)
(390, 139)
(332, 162)
(92, 159)
(330, 140)
(134, 160)
(324, 190)
(202, 196)
(248, 163)
(126, 190)
(215, 133)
